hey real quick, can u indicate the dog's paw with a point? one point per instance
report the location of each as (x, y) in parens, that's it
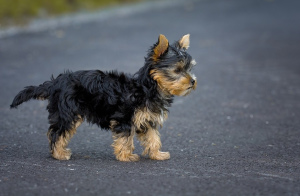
(160, 155)
(128, 158)
(62, 154)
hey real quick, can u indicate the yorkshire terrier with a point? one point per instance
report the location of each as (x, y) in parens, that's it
(125, 104)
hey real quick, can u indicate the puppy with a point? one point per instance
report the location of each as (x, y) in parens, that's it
(125, 104)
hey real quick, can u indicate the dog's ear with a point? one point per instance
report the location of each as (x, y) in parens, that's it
(160, 47)
(184, 42)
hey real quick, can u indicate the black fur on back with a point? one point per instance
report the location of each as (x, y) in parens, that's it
(96, 96)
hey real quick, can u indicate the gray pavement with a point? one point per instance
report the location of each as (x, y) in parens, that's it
(237, 134)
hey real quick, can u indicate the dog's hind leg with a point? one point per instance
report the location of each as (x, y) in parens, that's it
(59, 138)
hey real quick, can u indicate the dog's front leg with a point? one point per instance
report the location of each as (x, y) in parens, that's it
(123, 147)
(123, 144)
(150, 140)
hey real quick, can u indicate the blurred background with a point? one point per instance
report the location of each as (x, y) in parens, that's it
(20, 12)
(237, 134)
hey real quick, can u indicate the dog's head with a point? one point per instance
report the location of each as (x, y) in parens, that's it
(171, 66)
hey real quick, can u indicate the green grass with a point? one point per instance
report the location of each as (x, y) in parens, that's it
(14, 12)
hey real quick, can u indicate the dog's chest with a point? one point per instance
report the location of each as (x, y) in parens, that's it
(145, 119)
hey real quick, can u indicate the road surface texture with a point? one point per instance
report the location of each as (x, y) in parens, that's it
(237, 134)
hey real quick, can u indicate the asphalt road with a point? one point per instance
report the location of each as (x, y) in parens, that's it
(237, 134)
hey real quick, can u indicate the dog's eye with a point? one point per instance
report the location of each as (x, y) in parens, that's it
(189, 67)
(178, 70)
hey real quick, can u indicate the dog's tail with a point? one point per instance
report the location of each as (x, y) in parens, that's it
(40, 92)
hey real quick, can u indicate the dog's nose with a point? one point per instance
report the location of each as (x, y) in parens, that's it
(192, 82)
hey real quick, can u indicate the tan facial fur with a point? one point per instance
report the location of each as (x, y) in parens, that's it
(179, 87)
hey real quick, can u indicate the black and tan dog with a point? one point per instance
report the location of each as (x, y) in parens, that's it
(125, 104)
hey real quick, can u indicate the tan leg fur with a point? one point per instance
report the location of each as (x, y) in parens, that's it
(59, 150)
(123, 146)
